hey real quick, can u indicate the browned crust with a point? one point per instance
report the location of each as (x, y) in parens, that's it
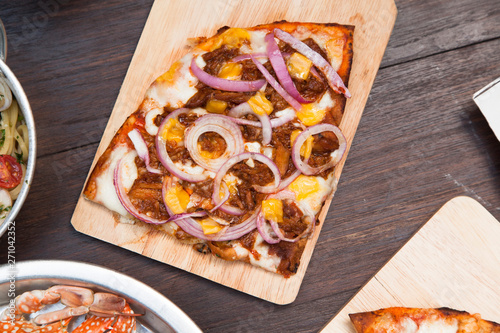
(291, 262)
(380, 320)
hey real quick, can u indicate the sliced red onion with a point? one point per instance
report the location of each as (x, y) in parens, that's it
(279, 89)
(264, 231)
(248, 57)
(245, 108)
(281, 70)
(125, 200)
(287, 181)
(193, 228)
(161, 149)
(281, 235)
(288, 195)
(177, 217)
(305, 168)
(142, 149)
(238, 158)
(333, 78)
(224, 84)
(287, 116)
(221, 125)
(224, 198)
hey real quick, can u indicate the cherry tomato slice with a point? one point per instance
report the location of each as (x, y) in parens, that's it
(11, 173)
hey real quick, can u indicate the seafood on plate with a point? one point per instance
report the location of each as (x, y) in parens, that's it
(105, 312)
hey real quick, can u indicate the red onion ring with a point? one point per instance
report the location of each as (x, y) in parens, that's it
(238, 158)
(281, 70)
(125, 200)
(333, 78)
(279, 89)
(224, 84)
(281, 235)
(233, 232)
(287, 181)
(247, 57)
(224, 199)
(177, 217)
(264, 230)
(287, 116)
(302, 137)
(192, 227)
(161, 149)
(282, 195)
(245, 108)
(221, 125)
(142, 149)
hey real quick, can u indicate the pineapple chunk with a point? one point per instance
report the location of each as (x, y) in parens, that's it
(209, 226)
(311, 114)
(306, 148)
(260, 104)
(304, 186)
(273, 210)
(173, 131)
(299, 66)
(233, 37)
(231, 71)
(216, 106)
(177, 199)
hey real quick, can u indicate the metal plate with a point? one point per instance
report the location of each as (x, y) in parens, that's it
(160, 314)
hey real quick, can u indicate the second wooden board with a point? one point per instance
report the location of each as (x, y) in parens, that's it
(453, 261)
(168, 27)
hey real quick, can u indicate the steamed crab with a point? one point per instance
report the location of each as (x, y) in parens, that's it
(106, 313)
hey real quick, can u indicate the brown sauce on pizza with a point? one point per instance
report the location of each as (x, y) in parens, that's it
(146, 191)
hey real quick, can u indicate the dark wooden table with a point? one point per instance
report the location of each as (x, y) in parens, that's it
(421, 142)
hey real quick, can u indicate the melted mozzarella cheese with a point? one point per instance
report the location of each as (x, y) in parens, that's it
(311, 202)
(106, 193)
(264, 259)
(253, 147)
(257, 43)
(180, 90)
(194, 169)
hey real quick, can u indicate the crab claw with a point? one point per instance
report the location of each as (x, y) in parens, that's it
(99, 324)
(72, 296)
(25, 327)
(67, 312)
(107, 305)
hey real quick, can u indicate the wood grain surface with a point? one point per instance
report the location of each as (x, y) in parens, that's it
(169, 22)
(452, 261)
(421, 142)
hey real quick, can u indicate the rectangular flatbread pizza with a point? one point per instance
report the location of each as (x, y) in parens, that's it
(233, 149)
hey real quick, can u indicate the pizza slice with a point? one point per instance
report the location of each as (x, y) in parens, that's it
(233, 149)
(415, 320)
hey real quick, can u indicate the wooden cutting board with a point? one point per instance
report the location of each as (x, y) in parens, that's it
(162, 42)
(452, 261)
